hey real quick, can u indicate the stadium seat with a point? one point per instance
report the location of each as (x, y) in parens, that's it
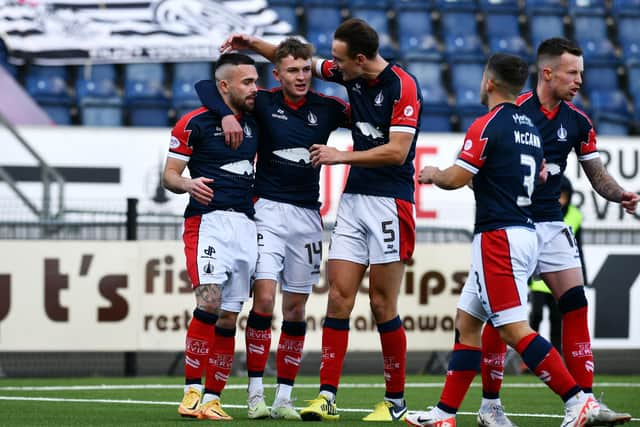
(499, 6)
(500, 24)
(288, 14)
(579, 102)
(292, 3)
(99, 103)
(621, 8)
(146, 103)
(610, 102)
(633, 77)
(325, 3)
(410, 4)
(184, 97)
(466, 74)
(153, 72)
(377, 18)
(589, 27)
(587, 7)
(416, 36)
(192, 71)
(598, 51)
(543, 27)
(321, 23)
(4, 61)
(368, 4)
(514, 45)
(545, 7)
(428, 73)
(456, 5)
(467, 47)
(50, 91)
(631, 51)
(607, 125)
(436, 112)
(601, 77)
(468, 96)
(330, 89)
(97, 72)
(458, 23)
(629, 36)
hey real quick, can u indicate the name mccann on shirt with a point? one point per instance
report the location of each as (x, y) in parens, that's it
(526, 138)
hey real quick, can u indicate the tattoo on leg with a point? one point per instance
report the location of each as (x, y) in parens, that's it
(208, 297)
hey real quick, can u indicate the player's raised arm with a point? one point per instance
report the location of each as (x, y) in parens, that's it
(607, 187)
(248, 42)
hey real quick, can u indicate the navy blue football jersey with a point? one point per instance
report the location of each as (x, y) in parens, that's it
(504, 150)
(390, 103)
(564, 129)
(283, 170)
(198, 139)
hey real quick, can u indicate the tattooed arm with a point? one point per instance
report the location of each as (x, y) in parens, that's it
(607, 186)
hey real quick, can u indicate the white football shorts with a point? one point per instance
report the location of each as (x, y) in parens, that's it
(557, 246)
(221, 248)
(373, 230)
(501, 263)
(289, 245)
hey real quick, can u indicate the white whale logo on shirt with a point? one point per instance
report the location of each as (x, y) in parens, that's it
(367, 129)
(242, 167)
(296, 155)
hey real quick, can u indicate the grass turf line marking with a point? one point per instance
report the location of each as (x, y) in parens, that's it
(244, 386)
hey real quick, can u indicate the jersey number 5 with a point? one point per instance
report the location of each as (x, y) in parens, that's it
(528, 180)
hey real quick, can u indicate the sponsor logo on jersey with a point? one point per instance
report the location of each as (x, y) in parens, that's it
(218, 131)
(279, 114)
(468, 144)
(521, 119)
(377, 101)
(312, 119)
(357, 88)
(209, 251)
(295, 155)
(367, 129)
(242, 167)
(174, 143)
(208, 268)
(562, 134)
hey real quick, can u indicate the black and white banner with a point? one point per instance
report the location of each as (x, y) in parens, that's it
(54, 32)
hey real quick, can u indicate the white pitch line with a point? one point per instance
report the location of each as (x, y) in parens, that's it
(243, 386)
(151, 402)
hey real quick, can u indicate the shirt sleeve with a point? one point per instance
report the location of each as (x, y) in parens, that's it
(585, 146)
(327, 70)
(473, 153)
(210, 97)
(406, 108)
(183, 136)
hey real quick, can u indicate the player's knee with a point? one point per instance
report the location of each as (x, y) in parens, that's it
(263, 304)
(573, 299)
(380, 307)
(294, 313)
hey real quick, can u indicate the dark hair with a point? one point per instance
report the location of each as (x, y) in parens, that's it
(294, 47)
(359, 37)
(556, 46)
(234, 59)
(509, 72)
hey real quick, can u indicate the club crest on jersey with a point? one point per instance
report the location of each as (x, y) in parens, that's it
(357, 88)
(175, 143)
(468, 144)
(247, 131)
(378, 99)
(562, 134)
(408, 111)
(312, 119)
(208, 268)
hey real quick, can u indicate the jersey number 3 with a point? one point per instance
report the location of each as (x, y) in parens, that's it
(528, 180)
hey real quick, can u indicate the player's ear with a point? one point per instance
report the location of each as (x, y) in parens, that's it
(360, 58)
(275, 73)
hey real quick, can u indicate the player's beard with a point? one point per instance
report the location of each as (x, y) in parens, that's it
(242, 103)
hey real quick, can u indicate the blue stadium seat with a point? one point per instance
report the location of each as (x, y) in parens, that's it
(369, 4)
(633, 77)
(631, 51)
(610, 102)
(321, 23)
(636, 111)
(428, 73)
(398, 5)
(41, 71)
(99, 103)
(98, 72)
(629, 35)
(601, 77)
(153, 72)
(499, 6)
(4, 61)
(607, 125)
(326, 3)
(456, 5)
(435, 118)
(543, 27)
(292, 3)
(51, 93)
(288, 14)
(598, 51)
(589, 27)
(458, 23)
(146, 103)
(184, 97)
(463, 47)
(378, 19)
(514, 45)
(466, 74)
(416, 36)
(625, 8)
(499, 24)
(587, 7)
(468, 96)
(192, 71)
(546, 7)
(579, 102)
(330, 89)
